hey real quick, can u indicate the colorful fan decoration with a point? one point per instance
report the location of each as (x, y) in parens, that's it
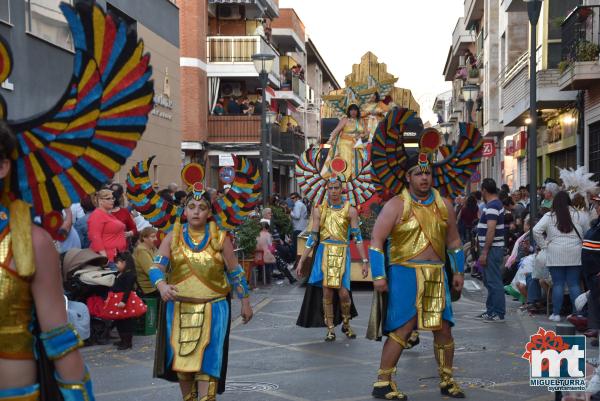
(161, 213)
(308, 174)
(452, 174)
(229, 211)
(388, 154)
(77, 146)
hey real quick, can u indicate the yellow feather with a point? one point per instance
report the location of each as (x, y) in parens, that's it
(37, 169)
(87, 74)
(142, 101)
(32, 138)
(87, 187)
(46, 206)
(130, 65)
(62, 192)
(71, 149)
(85, 119)
(129, 136)
(99, 27)
(103, 159)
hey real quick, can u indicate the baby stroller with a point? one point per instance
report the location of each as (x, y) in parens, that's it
(86, 281)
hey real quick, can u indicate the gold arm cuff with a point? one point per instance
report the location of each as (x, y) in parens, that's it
(158, 281)
(379, 278)
(376, 249)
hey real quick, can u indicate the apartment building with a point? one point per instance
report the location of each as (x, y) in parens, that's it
(43, 60)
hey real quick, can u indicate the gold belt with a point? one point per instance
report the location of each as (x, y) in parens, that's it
(199, 300)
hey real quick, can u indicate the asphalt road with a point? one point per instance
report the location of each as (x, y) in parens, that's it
(273, 359)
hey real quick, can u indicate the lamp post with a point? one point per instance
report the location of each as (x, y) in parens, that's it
(264, 64)
(271, 116)
(533, 11)
(470, 93)
(446, 129)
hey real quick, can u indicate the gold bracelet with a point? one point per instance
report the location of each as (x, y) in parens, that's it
(379, 278)
(460, 274)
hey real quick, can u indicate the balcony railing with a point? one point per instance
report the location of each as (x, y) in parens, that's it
(292, 143)
(238, 49)
(581, 34)
(234, 129)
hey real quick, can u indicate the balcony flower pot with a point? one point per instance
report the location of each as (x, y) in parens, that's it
(583, 13)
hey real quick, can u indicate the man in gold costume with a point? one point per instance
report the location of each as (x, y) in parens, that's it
(420, 228)
(336, 221)
(31, 294)
(203, 271)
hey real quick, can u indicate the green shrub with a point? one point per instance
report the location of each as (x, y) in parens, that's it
(587, 51)
(246, 234)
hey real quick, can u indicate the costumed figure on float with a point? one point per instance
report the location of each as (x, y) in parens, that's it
(46, 164)
(328, 300)
(414, 235)
(196, 271)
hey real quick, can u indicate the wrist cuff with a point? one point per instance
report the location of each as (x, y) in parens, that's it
(377, 259)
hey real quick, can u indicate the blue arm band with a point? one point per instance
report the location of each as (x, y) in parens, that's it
(237, 280)
(76, 391)
(161, 260)
(60, 341)
(156, 275)
(357, 235)
(377, 260)
(457, 260)
(312, 239)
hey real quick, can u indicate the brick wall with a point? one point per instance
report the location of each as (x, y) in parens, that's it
(193, 24)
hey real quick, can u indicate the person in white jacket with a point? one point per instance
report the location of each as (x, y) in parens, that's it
(560, 233)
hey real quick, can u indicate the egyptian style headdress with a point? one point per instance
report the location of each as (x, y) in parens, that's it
(79, 144)
(391, 161)
(228, 212)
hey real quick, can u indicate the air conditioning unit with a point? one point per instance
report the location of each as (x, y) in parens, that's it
(231, 89)
(230, 11)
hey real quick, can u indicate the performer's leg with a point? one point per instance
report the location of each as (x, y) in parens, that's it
(385, 387)
(187, 384)
(413, 339)
(346, 306)
(443, 348)
(328, 313)
(207, 387)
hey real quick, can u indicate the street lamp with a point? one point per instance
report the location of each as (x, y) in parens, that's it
(470, 93)
(533, 11)
(264, 64)
(446, 130)
(271, 117)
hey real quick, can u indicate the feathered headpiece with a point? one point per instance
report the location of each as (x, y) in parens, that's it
(578, 181)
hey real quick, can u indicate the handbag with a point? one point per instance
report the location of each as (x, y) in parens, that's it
(134, 307)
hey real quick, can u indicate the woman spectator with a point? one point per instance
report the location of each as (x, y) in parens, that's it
(264, 243)
(550, 191)
(105, 231)
(122, 213)
(143, 256)
(467, 218)
(564, 228)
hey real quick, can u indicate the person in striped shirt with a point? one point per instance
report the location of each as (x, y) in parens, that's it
(490, 235)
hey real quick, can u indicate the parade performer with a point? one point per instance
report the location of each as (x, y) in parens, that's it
(346, 143)
(333, 224)
(415, 232)
(46, 164)
(203, 270)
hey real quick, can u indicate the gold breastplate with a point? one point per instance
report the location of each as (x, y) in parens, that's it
(16, 307)
(422, 226)
(335, 222)
(198, 274)
(353, 127)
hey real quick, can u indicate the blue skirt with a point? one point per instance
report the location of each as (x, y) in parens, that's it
(402, 285)
(316, 274)
(212, 358)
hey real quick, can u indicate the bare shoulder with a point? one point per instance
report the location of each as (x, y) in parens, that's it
(353, 211)
(394, 206)
(41, 240)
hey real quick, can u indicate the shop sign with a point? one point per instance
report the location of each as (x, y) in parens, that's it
(226, 160)
(510, 147)
(489, 148)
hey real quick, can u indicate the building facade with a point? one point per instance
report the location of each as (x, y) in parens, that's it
(43, 57)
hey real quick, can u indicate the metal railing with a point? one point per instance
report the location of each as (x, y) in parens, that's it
(581, 34)
(238, 49)
(508, 73)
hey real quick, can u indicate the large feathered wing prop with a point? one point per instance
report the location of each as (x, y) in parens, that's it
(308, 175)
(77, 146)
(161, 213)
(452, 174)
(388, 154)
(243, 196)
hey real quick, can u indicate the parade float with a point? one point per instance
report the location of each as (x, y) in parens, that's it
(353, 113)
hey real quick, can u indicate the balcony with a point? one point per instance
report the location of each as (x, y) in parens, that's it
(253, 9)
(473, 11)
(294, 91)
(580, 49)
(288, 32)
(231, 56)
(292, 143)
(462, 40)
(238, 129)
(514, 6)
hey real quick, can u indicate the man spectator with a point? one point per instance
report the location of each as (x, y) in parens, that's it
(490, 234)
(299, 219)
(258, 105)
(233, 107)
(172, 187)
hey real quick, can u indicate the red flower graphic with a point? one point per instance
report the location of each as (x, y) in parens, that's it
(544, 340)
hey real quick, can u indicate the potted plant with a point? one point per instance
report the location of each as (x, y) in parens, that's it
(246, 235)
(587, 51)
(564, 66)
(474, 73)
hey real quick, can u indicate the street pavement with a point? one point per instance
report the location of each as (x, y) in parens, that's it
(272, 359)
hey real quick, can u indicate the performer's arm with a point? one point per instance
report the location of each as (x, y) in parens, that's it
(382, 229)
(237, 279)
(355, 230)
(58, 337)
(337, 129)
(156, 273)
(454, 249)
(311, 240)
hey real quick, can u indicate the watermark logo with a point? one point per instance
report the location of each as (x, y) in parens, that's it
(556, 362)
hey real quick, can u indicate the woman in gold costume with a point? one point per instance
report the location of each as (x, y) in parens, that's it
(346, 143)
(203, 271)
(374, 111)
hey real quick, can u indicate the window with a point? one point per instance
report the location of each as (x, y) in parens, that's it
(45, 20)
(557, 12)
(5, 10)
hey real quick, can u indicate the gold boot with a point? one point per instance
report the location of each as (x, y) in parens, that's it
(387, 389)
(211, 393)
(328, 312)
(444, 353)
(346, 329)
(413, 340)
